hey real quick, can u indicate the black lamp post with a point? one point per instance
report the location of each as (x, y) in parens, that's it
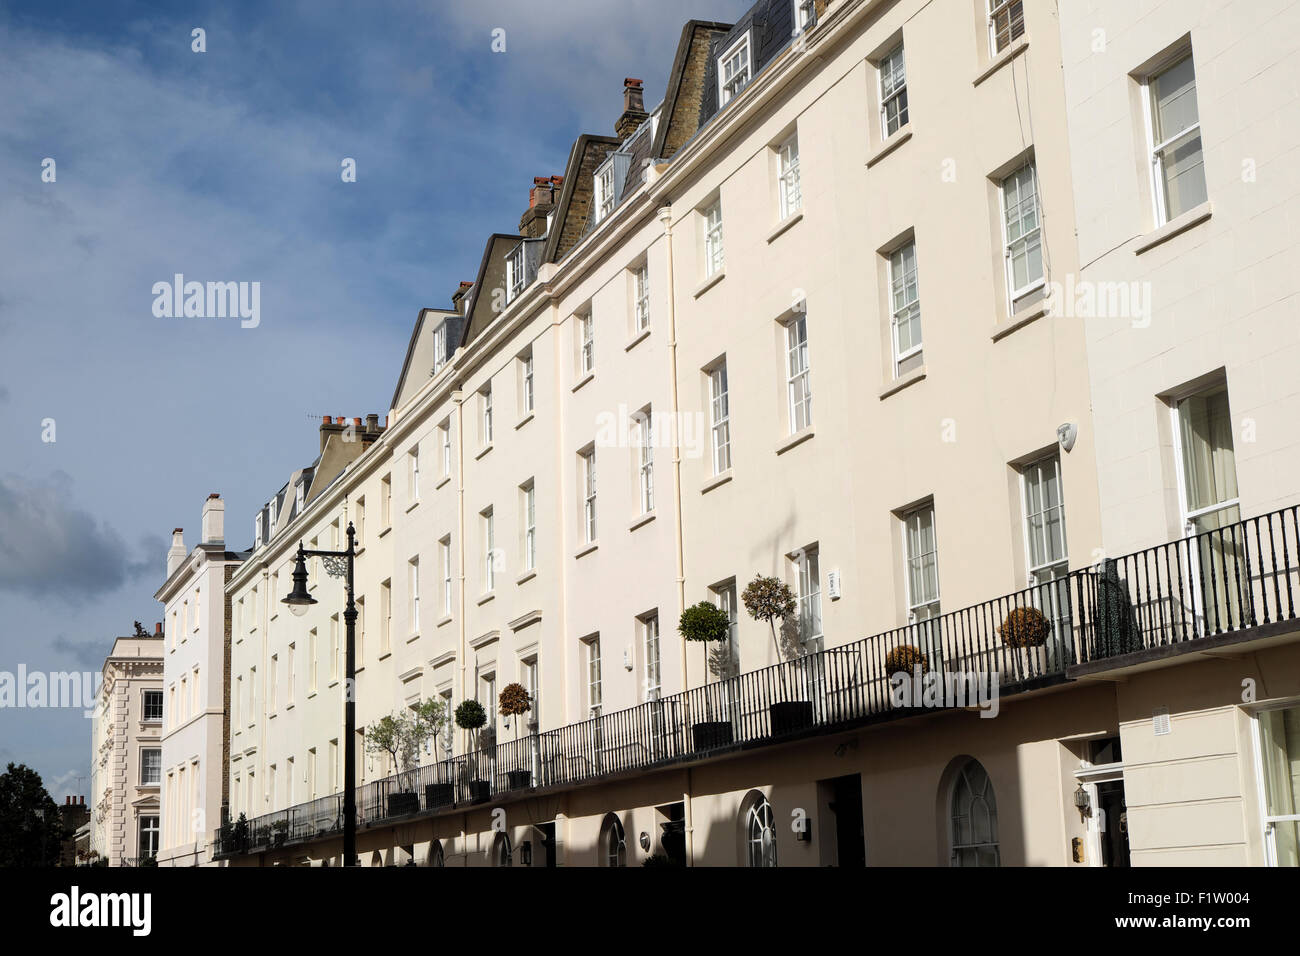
(338, 564)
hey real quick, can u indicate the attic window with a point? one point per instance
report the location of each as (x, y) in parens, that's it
(805, 15)
(605, 190)
(439, 348)
(515, 273)
(733, 70)
(257, 529)
(300, 497)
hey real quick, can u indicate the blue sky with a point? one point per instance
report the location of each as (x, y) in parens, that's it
(225, 166)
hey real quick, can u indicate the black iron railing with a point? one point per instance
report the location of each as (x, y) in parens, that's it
(1217, 582)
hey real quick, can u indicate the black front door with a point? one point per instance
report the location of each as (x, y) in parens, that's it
(846, 804)
(1114, 834)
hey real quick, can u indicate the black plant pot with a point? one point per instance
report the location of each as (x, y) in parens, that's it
(791, 716)
(439, 795)
(519, 779)
(400, 804)
(480, 791)
(711, 734)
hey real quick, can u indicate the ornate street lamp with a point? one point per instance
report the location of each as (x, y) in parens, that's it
(338, 564)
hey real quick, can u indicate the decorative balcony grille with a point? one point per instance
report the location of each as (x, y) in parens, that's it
(1202, 587)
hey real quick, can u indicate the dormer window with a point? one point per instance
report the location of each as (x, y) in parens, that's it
(439, 348)
(805, 15)
(270, 509)
(257, 530)
(515, 273)
(300, 497)
(734, 70)
(605, 191)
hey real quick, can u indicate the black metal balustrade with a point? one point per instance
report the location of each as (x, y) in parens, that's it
(1218, 582)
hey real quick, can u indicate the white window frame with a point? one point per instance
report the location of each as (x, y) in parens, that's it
(145, 775)
(798, 373)
(1160, 200)
(788, 183)
(594, 691)
(444, 546)
(604, 190)
(760, 822)
(641, 296)
(530, 398)
(652, 656)
(730, 84)
(808, 566)
(1015, 292)
(805, 15)
(646, 461)
(1190, 515)
(714, 261)
(530, 526)
(514, 273)
(925, 609)
(413, 461)
(486, 399)
(893, 90)
(589, 494)
(586, 342)
(720, 417)
(489, 547)
(413, 598)
(1269, 821)
(444, 434)
(899, 276)
(996, 9)
(439, 347)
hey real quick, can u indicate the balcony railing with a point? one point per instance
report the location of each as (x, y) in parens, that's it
(1215, 583)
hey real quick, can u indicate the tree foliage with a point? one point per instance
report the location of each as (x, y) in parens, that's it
(31, 828)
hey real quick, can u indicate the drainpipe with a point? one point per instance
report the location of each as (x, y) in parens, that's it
(665, 216)
(458, 399)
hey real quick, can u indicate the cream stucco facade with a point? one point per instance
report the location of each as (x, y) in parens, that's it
(893, 470)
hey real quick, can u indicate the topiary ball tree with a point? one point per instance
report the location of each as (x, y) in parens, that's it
(704, 622)
(514, 701)
(470, 715)
(766, 599)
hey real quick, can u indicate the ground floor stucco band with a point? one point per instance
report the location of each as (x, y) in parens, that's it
(931, 790)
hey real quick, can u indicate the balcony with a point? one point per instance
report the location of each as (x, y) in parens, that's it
(1228, 585)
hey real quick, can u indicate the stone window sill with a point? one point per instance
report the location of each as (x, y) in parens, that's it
(902, 382)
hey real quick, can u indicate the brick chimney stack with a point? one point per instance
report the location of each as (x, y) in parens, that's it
(328, 428)
(542, 199)
(458, 297)
(634, 113)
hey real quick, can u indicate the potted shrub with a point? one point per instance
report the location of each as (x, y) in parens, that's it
(905, 658)
(515, 701)
(768, 599)
(471, 716)
(399, 737)
(707, 624)
(1025, 627)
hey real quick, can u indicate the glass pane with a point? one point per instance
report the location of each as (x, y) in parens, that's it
(1183, 171)
(1280, 742)
(1209, 466)
(1173, 99)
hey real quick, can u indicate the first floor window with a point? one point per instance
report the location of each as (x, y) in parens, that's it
(489, 550)
(593, 677)
(487, 415)
(974, 818)
(587, 340)
(922, 564)
(650, 640)
(528, 382)
(799, 385)
(810, 596)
